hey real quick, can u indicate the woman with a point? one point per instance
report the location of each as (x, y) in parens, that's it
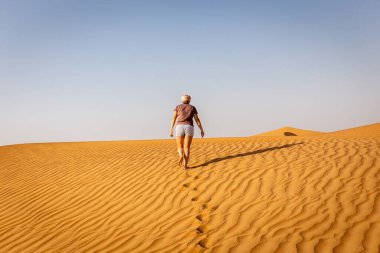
(183, 118)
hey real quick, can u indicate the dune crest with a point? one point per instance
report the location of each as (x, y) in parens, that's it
(289, 131)
(304, 194)
(372, 130)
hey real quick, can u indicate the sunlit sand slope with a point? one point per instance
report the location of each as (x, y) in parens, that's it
(241, 195)
(289, 131)
(363, 131)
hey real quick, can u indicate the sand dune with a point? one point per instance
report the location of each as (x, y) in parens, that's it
(372, 130)
(289, 131)
(298, 194)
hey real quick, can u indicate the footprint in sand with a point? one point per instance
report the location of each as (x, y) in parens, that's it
(201, 229)
(214, 207)
(204, 206)
(194, 199)
(199, 217)
(202, 243)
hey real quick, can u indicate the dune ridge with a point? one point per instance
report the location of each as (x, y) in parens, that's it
(289, 131)
(372, 130)
(299, 194)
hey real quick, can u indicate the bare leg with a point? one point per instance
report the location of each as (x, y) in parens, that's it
(180, 141)
(187, 145)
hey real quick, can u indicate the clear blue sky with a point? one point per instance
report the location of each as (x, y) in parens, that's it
(79, 70)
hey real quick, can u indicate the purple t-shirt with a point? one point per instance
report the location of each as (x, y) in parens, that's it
(185, 114)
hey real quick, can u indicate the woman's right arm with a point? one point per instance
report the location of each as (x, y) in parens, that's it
(172, 123)
(199, 124)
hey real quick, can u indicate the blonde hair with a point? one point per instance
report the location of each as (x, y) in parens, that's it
(185, 99)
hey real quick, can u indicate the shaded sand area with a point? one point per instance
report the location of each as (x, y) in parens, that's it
(296, 193)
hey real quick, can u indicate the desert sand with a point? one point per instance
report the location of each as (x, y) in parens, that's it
(275, 192)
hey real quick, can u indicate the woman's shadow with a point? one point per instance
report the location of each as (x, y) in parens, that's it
(219, 159)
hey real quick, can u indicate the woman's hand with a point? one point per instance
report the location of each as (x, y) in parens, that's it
(171, 132)
(202, 133)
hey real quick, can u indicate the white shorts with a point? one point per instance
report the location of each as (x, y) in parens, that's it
(184, 130)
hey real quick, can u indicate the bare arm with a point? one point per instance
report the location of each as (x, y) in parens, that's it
(198, 121)
(172, 124)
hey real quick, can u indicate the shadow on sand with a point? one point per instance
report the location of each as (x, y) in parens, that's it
(219, 159)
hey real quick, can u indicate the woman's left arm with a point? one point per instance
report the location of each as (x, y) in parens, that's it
(172, 124)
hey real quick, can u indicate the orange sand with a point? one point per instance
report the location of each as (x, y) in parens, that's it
(305, 193)
(289, 131)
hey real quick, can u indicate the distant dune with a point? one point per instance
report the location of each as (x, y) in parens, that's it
(363, 131)
(289, 131)
(305, 193)
(372, 130)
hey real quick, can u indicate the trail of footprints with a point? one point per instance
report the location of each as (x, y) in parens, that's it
(202, 218)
